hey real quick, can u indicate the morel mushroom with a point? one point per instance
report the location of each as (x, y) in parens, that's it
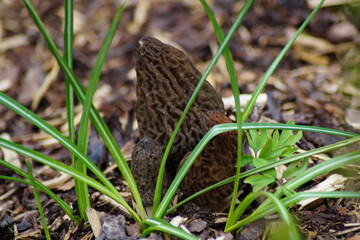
(166, 79)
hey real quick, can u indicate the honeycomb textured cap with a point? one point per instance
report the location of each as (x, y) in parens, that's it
(166, 79)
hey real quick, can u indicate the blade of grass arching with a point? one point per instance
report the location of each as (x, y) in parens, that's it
(271, 166)
(291, 200)
(38, 201)
(161, 208)
(70, 171)
(274, 65)
(81, 189)
(295, 127)
(156, 224)
(68, 58)
(296, 197)
(234, 86)
(66, 208)
(96, 119)
(215, 130)
(84, 126)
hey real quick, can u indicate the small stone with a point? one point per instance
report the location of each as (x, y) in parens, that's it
(113, 228)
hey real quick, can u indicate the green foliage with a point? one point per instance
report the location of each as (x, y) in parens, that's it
(270, 147)
(273, 146)
(296, 168)
(259, 181)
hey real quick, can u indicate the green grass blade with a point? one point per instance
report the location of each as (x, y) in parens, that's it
(156, 224)
(275, 63)
(38, 201)
(66, 208)
(234, 86)
(83, 128)
(217, 129)
(68, 58)
(94, 79)
(81, 189)
(293, 127)
(70, 171)
(160, 211)
(96, 119)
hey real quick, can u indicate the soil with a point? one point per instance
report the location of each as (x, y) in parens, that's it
(317, 84)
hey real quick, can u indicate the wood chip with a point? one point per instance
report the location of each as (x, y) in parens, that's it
(94, 221)
(41, 91)
(244, 99)
(332, 183)
(13, 42)
(59, 182)
(9, 155)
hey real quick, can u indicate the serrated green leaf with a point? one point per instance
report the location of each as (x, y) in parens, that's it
(294, 138)
(258, 182)
(266, 150)
(289, 152)
(272, 154)
(256, 139)
(284, 137)
(246, 159)
(275, 138)
(294, 169)
(259, 162)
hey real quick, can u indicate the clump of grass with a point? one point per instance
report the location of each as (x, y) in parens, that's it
(271, 149)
